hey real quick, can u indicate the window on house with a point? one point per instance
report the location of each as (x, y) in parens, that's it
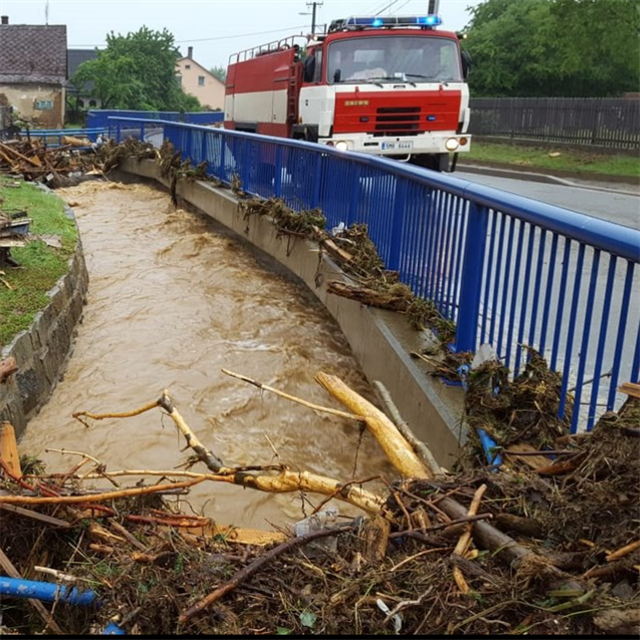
(201, 81)
(92, 103)
(187, 66)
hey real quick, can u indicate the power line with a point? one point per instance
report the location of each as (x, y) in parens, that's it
(404, 4)
(238, 35)
(387, 7)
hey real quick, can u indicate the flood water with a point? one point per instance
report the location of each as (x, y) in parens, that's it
(172, 300)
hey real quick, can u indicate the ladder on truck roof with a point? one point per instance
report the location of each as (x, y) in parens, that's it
(271, 47)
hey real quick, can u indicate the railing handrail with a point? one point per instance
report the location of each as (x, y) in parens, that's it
(600, 234)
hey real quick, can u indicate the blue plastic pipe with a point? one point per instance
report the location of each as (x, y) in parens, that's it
(112, 629)
(489, 445)
(45, 591)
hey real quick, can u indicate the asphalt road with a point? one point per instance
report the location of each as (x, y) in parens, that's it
(614, 202)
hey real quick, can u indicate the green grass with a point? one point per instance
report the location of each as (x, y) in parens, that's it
(40, 265)
(568, 160)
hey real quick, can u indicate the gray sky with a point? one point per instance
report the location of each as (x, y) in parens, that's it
(215, 28)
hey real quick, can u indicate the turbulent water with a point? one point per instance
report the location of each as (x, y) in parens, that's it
(172, 300)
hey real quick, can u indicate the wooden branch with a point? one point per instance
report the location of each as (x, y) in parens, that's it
(289, 481)
(419, 447)
(623, 551)
(104, 416)
(284, 481)
(204, 455)
(9, 450)
(97, 497)
(244, 574)
(74, 453)
(41, 517)
(396, 448)
(487, 536)
(8, 367)
(282, 394)
(630, 388)
(463, 543)
(446, 525)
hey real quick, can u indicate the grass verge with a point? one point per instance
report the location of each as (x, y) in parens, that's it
(40, 265)
(583, 161)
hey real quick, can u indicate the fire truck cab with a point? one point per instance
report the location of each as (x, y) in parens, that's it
(389, 86)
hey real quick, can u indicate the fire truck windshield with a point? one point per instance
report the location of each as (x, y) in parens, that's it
(393, 58)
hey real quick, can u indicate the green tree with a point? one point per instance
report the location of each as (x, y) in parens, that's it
(219, 72)
(137, 71)
(554, 47)
(601, 52)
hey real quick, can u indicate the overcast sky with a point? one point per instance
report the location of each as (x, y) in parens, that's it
(214, 28)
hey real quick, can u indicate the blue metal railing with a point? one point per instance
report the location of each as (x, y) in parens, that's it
(100, 117)
(508, 270)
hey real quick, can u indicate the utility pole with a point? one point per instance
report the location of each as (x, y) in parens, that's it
(434, 6)
(314, 6)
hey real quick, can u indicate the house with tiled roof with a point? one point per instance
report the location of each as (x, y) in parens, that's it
(33, 71)
(200, 82)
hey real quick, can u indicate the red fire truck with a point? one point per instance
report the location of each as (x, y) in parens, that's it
(390, 86)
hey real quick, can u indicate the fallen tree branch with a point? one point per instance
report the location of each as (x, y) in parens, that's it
(396, 448)
(98, 497)
(282, 394)
(254, 567)
(204, 455)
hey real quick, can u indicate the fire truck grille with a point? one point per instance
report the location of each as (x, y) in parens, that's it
(397, 120)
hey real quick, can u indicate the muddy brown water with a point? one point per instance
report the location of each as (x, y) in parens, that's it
(172, 300)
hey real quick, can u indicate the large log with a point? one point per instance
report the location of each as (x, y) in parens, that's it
(396, 448)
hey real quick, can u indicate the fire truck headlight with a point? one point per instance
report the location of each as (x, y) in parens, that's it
(341, 145)
(451, 144)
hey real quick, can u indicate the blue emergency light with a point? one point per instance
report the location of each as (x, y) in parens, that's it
(362, 22)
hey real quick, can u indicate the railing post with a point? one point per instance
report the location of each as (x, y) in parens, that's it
(189, 145)
(317, 181)
(397, 225)
(355, 194)
(142, 131)
(277, 182)
(205, 151)
(222, 174)
(471, 279)
(118, 137)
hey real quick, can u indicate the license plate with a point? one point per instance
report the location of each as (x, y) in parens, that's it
(400, 146)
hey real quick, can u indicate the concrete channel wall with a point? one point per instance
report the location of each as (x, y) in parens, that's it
(381, 340)
(42, 352)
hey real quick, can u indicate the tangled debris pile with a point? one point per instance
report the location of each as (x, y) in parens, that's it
(481, 552)
(37, 162)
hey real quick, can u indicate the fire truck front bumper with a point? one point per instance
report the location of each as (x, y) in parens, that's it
(423, 144)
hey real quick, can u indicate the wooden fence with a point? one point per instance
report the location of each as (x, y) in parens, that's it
(603, 122)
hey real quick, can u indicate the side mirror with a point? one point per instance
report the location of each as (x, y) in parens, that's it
(465, 57)
(309, 69)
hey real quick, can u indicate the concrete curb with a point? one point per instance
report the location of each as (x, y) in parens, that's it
(560, 177)
(380, 340)
(42, 351)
